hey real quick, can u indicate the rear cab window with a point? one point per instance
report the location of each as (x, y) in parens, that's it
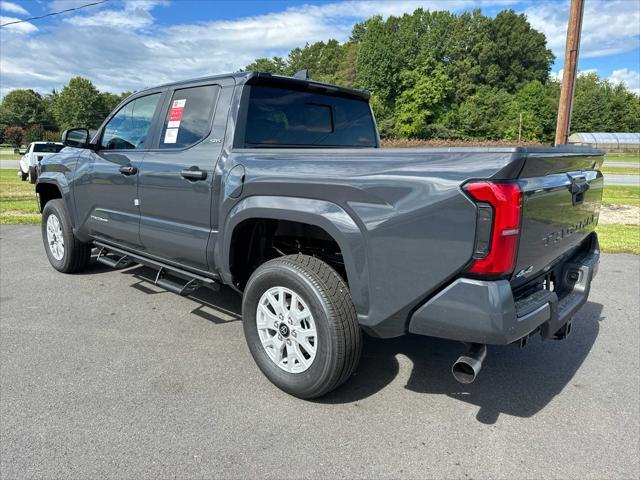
(188, 119)
(294, 117)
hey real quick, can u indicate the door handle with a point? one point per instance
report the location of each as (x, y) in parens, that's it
(193, 174)
(128, 170)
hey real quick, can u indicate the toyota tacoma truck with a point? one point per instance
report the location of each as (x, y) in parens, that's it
(277, 187)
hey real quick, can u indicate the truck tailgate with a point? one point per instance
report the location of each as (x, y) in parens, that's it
(561, 200)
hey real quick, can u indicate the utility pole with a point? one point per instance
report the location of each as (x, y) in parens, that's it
(570, 71)
(520, 129)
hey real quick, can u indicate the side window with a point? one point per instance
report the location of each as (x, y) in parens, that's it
(128, 128)
(189, 117)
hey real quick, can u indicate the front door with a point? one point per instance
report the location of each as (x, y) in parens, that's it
(106, 181)
(175, 182)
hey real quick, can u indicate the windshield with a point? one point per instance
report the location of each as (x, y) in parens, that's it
(281, 117)
(47, 148)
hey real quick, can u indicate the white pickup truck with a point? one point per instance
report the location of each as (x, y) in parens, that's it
(35, 153)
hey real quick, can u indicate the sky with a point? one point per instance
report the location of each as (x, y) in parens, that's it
(133, 44)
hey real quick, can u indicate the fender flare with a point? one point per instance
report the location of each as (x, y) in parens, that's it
(59, 180)
(332, 218)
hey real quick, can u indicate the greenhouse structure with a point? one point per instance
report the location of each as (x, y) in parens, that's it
(609, 142)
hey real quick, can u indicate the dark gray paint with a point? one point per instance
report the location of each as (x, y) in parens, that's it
(486, 312)
(403, 224)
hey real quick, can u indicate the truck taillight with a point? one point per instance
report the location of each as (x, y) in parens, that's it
(497, 227)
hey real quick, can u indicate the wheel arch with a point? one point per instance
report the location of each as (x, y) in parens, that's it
(327, 216)
(47, 190)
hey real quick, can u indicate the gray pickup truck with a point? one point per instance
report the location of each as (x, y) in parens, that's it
(278, 188)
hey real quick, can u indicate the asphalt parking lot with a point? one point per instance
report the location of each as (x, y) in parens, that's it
(103, 375)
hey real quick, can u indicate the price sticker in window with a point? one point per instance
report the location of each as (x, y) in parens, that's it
(171, 135)
(176, 112)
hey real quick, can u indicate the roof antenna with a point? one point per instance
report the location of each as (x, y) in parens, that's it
(302, 74)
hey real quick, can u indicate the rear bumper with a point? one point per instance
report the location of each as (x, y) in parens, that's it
(486, 312)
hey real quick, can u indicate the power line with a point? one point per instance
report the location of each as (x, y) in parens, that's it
(54, 13)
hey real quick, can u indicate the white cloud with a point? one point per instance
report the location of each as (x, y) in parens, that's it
(120, 47)
(22, 27)
(134, 14)
(629, 78)
(13, 8)
(560, 73)
(59, 5)
(608, 26)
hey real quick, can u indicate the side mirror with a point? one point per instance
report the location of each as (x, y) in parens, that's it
(76, 137)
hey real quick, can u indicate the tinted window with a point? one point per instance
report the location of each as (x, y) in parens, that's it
(47, 148)
(189, 117)
(279, 117)
(128, 129)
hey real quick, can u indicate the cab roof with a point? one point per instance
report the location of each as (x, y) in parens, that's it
(252, 77)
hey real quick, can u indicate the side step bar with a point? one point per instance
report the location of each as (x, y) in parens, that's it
(120, 262)
(192, 281)
(185, 289)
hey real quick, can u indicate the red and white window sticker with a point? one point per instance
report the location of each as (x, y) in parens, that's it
(175, 117)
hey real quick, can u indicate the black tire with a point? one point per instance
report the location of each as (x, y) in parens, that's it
(339, 340)
(76, 254)
(23, 176)
(33, 175)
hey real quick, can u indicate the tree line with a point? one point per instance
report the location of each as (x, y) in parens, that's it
(26, 116)
(433, 75)
(467, 76)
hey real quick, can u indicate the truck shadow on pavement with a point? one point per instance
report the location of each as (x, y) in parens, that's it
(219, 307)
(513, 381)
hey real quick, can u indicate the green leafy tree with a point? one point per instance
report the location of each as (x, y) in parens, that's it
(624, 110)
(49, 104)
(481, 116)
(531, 114)
(591, 105)
(35, 133)
(79, 105)
(421, 102)
(487, 78)
(22, 108)
(275, 65)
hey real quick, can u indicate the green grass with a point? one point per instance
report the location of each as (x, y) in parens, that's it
(17, 200)
(617, 195)
(620, 170)
(619, 238)
(623, 157)
(9, 156)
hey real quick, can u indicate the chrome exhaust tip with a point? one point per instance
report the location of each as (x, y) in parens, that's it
(468, 366)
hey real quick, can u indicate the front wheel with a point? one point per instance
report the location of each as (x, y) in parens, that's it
(301, 325)
(66, 253)
(23, 176)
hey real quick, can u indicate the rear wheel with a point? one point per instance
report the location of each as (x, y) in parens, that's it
(66, 253)
(33, 174)
(301, 326)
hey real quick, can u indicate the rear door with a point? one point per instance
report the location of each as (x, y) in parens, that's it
(176, 179)
(106, 180)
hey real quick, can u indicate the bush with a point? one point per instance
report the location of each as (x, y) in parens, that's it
(14, 136)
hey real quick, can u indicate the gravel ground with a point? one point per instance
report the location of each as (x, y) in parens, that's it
(103, 375)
